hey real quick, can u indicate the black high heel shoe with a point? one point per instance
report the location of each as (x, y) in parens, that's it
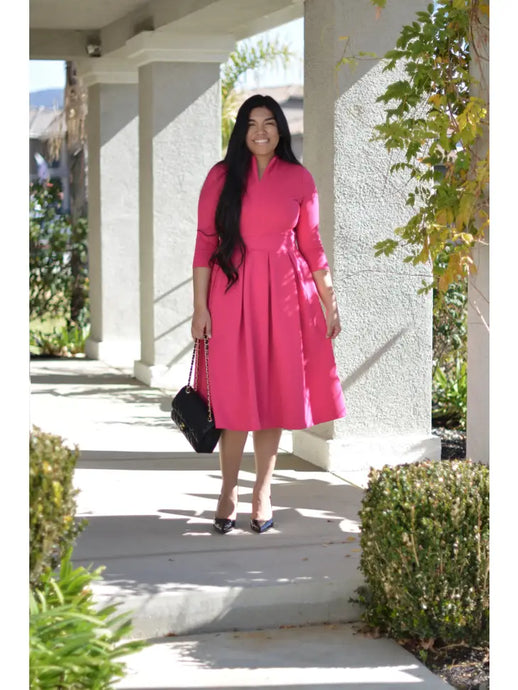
(224, 525)
(261, 526)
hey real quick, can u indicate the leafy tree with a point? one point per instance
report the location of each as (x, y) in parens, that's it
(449, 371)
(47, 245)
(438, 117)
(247, 56)
(55, 242)
(76, 99)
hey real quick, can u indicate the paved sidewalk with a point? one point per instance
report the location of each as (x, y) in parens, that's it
(219, 609)
(321, 657)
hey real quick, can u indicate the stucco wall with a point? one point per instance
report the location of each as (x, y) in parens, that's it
(179, 143)
(113, 221)
(384, 354)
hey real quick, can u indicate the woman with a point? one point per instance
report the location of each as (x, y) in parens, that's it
(259, 273)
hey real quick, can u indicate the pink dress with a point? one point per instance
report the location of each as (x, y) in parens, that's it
(270, 363)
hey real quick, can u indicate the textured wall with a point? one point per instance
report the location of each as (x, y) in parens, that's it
(179, 142)
(113, 220)
(93, 128)
(384, 353)
(478, 358)
(119, 208)
(479, 288)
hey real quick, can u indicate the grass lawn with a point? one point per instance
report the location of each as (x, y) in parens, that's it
(49, 325)
(45, 326)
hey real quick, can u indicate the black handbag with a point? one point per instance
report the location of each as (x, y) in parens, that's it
(191, 413)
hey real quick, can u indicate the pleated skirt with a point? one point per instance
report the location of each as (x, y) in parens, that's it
(270, 363)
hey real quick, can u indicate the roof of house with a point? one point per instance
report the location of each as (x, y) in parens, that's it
(49, 123)
(46, 123)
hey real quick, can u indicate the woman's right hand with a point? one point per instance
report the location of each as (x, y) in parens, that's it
(201, 323)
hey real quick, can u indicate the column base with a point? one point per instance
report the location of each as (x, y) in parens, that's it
(115, 352)
(160, 375)
(351, 458)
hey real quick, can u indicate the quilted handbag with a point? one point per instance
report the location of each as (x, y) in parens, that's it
(191, 413)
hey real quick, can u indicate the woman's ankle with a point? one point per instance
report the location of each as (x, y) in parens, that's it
(261, 505)
(227, 506)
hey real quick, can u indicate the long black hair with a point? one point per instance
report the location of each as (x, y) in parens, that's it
(237, 162)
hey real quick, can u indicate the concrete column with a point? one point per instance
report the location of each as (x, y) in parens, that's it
(478, 285)
(112, 131)
(477, 428)
(384, 354)
(179, 141)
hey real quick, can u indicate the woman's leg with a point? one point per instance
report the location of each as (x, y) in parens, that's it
(231, 446)
(266, 445)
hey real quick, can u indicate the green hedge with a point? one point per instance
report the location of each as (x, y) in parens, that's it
(425, 551)
(53, 527)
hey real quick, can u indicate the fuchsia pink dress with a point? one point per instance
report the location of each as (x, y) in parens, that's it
(270, 363)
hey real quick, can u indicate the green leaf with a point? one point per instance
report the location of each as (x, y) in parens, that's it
(385, 247)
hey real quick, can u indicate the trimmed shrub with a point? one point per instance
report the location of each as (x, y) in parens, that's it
(425, 551)
(52, 501)
(73, 644)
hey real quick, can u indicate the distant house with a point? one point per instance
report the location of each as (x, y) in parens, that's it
(47, 128)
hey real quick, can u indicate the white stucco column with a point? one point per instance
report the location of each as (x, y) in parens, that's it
(477, 427)
(179, 140)
(112, 131)
(477, 445)
(384, 354)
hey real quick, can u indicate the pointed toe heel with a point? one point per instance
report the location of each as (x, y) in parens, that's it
(223, 525)
(261, 526)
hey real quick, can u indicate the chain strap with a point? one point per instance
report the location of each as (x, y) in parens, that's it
(194, 358)
(207, 374)
(195, 365)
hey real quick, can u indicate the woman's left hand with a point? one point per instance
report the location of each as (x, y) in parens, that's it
(332, 322)
(322, 279)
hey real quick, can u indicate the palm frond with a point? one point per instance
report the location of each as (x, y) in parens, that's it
(248, 55)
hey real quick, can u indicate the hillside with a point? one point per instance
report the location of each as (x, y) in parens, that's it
(48, 98)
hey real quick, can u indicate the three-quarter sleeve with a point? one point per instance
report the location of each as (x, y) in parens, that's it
(206, 235)
(308, 235)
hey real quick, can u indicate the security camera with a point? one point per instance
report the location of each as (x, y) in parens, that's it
(93, 49)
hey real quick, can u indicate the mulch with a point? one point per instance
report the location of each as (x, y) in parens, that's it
(461, 666)
(453, 443)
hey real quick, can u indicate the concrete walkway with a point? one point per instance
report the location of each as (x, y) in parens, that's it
(241, 610)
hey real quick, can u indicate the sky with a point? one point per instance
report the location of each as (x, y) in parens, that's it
(50, 74)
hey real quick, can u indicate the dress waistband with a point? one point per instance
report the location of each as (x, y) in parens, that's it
(271, 241)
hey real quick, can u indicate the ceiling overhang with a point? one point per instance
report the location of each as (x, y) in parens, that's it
(71, 30)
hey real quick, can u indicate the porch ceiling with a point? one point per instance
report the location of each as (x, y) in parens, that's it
(67, 14)
(61, 29)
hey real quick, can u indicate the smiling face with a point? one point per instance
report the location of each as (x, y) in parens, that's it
(262, 136)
